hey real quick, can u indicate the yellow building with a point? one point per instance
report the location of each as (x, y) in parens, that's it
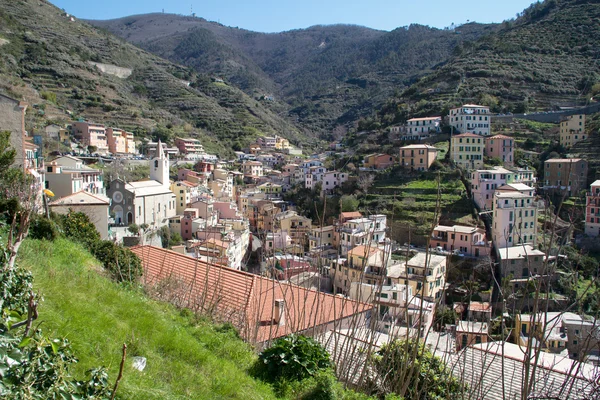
(467, 151)
(418, 156)
(183, 192)
(572, 130)
(281, 143)
(271, 189)
(425, 275)
(365, 264)
(295, 225)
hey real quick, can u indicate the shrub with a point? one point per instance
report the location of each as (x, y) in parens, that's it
(429, 378)
(78, 228)
(50, 96)
(44, 229)
(122, 263)
(293, 357)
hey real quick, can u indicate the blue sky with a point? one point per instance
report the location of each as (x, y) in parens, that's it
(280, 15)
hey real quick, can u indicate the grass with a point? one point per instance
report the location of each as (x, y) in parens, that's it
(186, 358)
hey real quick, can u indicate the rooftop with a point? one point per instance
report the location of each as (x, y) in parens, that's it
(424, 119)
(419, 260)
(563, 160)
(419, 146)
(81, 198)
(466, 134)
(245, 300)
(457, 228)
(472, 327)
(519, 252)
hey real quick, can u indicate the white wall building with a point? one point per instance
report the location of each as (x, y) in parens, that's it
(514, 219)
(471, 118)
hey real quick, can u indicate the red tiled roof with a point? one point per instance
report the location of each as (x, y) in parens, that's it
(467, 134)
(498, 137)
(244, 299)
(479, 306)
(351, 215)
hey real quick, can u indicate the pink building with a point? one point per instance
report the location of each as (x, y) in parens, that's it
(501, 147)
(204, 167)
(484, 183)
(226, 210)
(90, 134)
(468, 240)
(117, 140)
(184, 174)
(592, 211)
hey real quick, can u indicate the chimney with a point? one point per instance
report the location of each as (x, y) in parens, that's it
(279, 314)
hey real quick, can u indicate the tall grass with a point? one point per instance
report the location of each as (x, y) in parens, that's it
(186, 358)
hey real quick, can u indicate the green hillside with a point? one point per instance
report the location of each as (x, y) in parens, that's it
(325, 76)
(48, 59)
(187, 358)
(548, 56)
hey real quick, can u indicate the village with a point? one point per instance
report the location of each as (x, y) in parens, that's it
(237, 221)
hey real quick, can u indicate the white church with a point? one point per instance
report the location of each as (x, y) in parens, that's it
(144, 202)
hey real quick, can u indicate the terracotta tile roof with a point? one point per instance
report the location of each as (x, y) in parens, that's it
(350, 215)
(467, 134)
(500, 136)
(245, 300)
(480, 306)
(363, 251)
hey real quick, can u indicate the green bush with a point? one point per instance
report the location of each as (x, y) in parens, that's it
(429, 376)
(294, 358)
(44, 229)
(78, 227)
(122, 263)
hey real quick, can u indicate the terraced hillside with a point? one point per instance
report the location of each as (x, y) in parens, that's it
(410, 201)
(52, 60)
(548, 56)
(326, 76)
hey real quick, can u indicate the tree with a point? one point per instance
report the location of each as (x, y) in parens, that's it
(134, 229)
(92, 149)
(349, 203)
(407, 368)
(7, 154)
(365, 181)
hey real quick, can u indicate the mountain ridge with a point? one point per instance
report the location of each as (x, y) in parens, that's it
(46, 61)
(327, 75)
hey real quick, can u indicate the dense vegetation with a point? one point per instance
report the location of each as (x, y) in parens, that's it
(547, 56)
(323, 76)
(46, 58)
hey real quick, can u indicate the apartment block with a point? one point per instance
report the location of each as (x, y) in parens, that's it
(90, 134)
(67, 175)
(189, 146)
(501, 147)
(425, 274)
(514, 219)
(572, 130)
(484, 183)
(592, 210)
(471, 118)
(468, 240)
(378, 161)
(467, 151)
(568, 174)
(253, 169)
(418, 156)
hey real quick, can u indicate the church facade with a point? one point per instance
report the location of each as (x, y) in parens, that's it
(144, 202)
